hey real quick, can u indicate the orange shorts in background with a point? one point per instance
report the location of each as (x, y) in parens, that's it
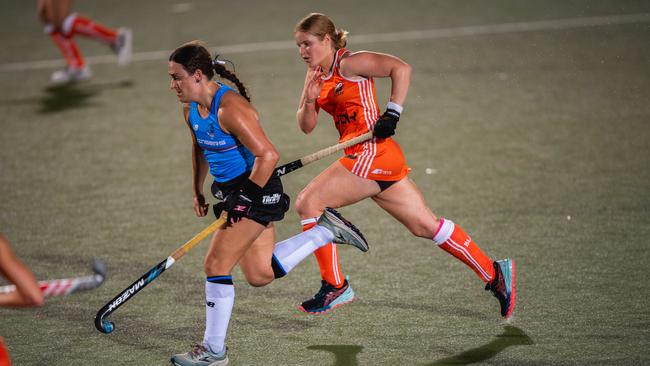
(4, 354)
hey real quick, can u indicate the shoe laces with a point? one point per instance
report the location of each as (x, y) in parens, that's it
(197, 350)
(497, 285)
(324, 289)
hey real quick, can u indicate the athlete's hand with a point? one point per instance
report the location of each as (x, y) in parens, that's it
(313, 84)
(386, 124)
(200, 207)
(240, 202)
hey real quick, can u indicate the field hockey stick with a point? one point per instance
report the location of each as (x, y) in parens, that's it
(66, 286)
(105, 326)
(297, 164)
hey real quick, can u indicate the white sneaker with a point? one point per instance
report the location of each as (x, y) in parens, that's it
(71, 75)
(201, 356)
(123, 46)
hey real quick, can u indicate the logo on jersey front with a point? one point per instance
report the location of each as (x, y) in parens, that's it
(338, 90)
(210, 130)
(196, 127)
(343, 119)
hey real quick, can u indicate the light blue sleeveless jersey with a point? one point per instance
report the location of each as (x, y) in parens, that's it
(227, 158)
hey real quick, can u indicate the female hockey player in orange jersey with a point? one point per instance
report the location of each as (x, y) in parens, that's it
(341, 83)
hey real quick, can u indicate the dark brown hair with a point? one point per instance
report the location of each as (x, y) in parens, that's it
(195, 56)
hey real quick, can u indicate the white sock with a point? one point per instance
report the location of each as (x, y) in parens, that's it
(220, 299)
(444, 232)
(292, 251)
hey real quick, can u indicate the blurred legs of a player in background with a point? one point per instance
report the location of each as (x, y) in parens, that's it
(62, 26)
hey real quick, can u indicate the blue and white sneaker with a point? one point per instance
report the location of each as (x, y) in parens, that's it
(503, 285)
(328, 298)
(201, 356)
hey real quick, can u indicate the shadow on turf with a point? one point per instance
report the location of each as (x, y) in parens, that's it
(346, 355)
(68, 96)
(512, 336)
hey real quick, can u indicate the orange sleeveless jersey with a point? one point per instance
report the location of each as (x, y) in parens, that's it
(353, 104)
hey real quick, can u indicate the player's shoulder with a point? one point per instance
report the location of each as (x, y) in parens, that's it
(232, 103)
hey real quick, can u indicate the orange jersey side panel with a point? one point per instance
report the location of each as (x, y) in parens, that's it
(353, 104)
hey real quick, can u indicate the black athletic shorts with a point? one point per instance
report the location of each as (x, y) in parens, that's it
(273, 205)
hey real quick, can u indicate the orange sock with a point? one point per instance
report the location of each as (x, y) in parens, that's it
(453, 239)
(328, 259)
(69, 50)
(79, 24)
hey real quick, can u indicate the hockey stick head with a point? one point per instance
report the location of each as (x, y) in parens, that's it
(100, 269)
(103, 325)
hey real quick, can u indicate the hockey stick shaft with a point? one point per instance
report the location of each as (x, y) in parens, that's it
(297, 164)
(60, 287)
(66, 286)
(105, 326)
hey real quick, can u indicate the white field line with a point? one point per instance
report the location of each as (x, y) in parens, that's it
(477, 30)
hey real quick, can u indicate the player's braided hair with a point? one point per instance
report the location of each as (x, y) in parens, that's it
(230, 76)
(195, 56)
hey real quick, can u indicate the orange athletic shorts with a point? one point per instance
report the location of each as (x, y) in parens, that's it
(376, 159)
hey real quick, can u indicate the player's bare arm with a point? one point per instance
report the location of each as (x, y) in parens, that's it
(241, 120)
(199, 169)
(374, 64)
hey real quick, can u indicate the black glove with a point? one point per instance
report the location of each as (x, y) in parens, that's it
(386, 124)
(218, 208)
(239, 202)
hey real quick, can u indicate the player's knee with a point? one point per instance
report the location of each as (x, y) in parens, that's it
(425, 228)
(211, 265)
(260, 279)
(303, 204)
